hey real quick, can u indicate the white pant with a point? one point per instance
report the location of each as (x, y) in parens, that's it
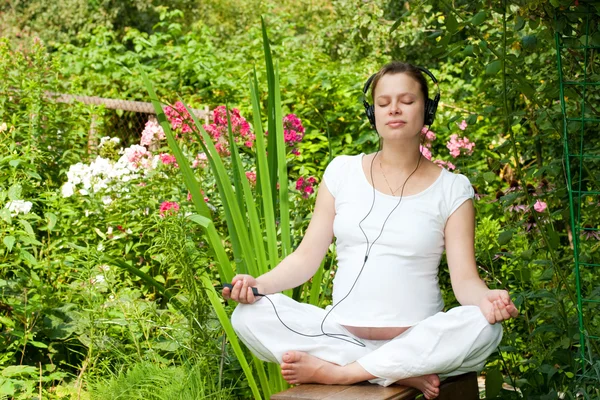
(450, 343)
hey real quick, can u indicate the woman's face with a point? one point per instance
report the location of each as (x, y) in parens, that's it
(399, 107)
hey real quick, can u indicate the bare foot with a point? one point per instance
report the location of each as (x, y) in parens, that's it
(428, 384)
(299, 367)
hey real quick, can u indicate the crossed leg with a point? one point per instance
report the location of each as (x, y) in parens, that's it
(300, 367)
(449, 343)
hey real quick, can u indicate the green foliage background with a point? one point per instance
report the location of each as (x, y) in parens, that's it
(496, 63)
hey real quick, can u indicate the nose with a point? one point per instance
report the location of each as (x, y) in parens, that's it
(395, 107)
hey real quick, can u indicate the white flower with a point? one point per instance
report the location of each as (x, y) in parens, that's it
(104, 268)
(109, 231)
(97, 279)
(67, 189)
(107, 200)
(3, 127)
(18, 207)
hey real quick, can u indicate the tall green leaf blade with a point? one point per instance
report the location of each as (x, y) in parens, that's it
(271, 119)
(262, 377)
(315, 287)
(215, 300)
(263, 180)
(284, 208)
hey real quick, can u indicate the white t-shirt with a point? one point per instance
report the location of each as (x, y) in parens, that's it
(398, 286)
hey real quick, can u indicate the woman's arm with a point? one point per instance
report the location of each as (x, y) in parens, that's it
(299, 266)
(468, 287)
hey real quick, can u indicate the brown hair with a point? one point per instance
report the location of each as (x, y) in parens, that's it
(398, 67)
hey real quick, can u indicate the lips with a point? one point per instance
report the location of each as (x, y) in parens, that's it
(396, 124)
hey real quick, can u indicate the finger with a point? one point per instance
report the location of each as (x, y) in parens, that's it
(497, 313)
(244, 292)
(512, 310)
(226, 293)
(503, 311)
(250, 295)
(505, 297)
(235, 293)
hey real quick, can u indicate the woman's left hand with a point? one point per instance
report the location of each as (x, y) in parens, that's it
(497, 306)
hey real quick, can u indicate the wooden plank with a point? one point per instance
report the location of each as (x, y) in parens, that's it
(365, 391)
(375, 392)
(462, 387)
(309, 392)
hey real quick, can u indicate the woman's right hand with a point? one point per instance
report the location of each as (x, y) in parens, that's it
(242, 289)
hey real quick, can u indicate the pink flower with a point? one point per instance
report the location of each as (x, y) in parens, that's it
(463, 125)
(136, 155)
(456, 144)
(168, 208)
(540, 206)
(425, 151)
(200, 161)
(251, 177)
(152, 133)
(178, 116)
(306, 186)
(445, 164)
(428, 135)
(517, 208)
(240, 129)
(168, 159)
(591, 234)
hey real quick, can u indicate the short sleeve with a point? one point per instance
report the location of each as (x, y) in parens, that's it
(333, 174)
(461, 190)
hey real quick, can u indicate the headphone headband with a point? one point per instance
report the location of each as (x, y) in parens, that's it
(430, 105)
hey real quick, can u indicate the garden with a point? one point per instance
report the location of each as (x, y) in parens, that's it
(118, 229)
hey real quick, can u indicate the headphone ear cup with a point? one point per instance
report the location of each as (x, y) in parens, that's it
(430, 109)
(370, 111)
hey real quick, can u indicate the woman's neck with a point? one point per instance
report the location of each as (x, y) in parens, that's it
(399, 156)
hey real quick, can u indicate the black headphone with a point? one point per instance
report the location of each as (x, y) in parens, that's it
(430, 105)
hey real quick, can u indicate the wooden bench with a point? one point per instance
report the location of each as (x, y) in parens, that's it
(462, 387)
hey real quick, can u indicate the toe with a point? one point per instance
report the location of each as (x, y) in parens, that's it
(287, 357)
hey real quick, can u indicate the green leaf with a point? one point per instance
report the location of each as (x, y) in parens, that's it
(489, 176)
(17, 370)
(493, 67)
(9, 242)
(479, 18)
(52, 219)
(505, 237)
(14, 193)
(553, 239)
(547, 274)
(28, 257)
(527, 254)
(100, 233)
(451, 23)
(595, 39)
(493, 383)
(39, 345)
(27, 227)
(519, 23)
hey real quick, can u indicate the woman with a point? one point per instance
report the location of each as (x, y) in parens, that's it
(393, 213)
